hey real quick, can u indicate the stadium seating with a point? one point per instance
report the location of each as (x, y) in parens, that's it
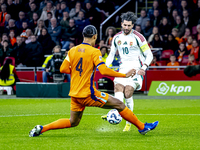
(194, 30)
(162, 62)
(184, 61)
(166, 54)
(12, 58)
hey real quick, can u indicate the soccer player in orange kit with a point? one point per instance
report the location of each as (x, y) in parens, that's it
(81, 62)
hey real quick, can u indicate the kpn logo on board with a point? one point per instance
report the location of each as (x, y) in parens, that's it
(163, 89)
(174, 88)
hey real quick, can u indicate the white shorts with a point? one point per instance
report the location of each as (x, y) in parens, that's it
(135, 81)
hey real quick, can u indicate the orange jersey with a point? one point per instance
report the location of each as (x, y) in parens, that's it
(189, 47)
(154, 64)
(170, 64)
(13, 41)
(177, 38)
(195, 51)
(83, 60)
(191, 64)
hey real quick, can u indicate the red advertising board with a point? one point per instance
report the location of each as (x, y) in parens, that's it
(151, 75)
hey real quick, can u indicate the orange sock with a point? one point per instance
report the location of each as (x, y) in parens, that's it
(128, 115)
(59, 124)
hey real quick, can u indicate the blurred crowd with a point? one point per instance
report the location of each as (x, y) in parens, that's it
(30, 29)
(172, 30)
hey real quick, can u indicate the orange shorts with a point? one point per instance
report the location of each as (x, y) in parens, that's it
(96, 100)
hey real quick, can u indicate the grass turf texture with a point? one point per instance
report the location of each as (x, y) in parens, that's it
(178, 126)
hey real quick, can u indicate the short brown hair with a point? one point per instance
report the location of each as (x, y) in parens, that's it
(191, 55)
(172, 55)
(175, 29)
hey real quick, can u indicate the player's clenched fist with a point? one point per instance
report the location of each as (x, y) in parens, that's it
(131, 73)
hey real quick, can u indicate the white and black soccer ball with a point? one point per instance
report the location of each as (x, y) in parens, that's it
(113, 117)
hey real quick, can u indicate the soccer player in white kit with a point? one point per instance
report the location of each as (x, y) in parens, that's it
(135, 54)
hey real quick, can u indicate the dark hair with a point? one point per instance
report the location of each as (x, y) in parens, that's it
(138, 25)
(180, 18)
(143, 10)
(5, 72)
(45, 29)
(33, 35)
(173, 55)
(89, 31)
(50, 2)
(34, 3)
(185, 10)
(157, 34)
(63, 3)
(71, 42)
(185, 48)
(173, 38)
(50, 13)
(191, 55)
(78, 2)
(182, 43)
(184, 0)
(157, 10)
(35, 13)
(82, 12)
(129, 16)
(4, 34)
(195, 40)
(5, 41)
(104, 47)
(165, 18)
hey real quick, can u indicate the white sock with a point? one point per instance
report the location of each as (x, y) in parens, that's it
(129, 103)
(120, 96)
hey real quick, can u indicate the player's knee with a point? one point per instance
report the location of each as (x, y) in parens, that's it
(119, 105)
(128, 92)
(74, 123)
(119, 88)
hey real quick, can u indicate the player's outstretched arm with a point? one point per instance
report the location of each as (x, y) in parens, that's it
(110, 57)
(65, 67)
(131, 73)
(109, 72)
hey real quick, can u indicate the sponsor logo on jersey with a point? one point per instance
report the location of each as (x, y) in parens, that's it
(103, 94)
(135, 79)
(131, 44)
(119, 42)
(125, 43)
(100, 58)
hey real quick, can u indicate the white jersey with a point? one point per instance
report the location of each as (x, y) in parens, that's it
(133, 50)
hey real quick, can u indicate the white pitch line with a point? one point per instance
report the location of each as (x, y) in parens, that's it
(27, 115)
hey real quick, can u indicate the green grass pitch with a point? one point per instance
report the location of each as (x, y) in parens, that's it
(179, 122)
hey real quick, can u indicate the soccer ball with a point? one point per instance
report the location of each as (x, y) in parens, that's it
(113, 117)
